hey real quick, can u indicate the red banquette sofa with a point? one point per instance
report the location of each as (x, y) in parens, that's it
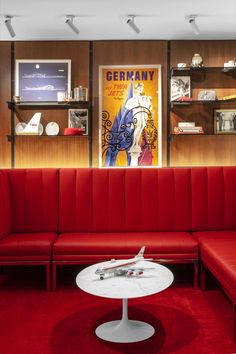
(54, 217)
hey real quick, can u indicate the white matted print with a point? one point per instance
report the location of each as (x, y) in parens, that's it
(78, 118)
(225, 121)
(180, 88)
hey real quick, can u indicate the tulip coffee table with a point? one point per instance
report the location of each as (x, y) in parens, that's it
(154, 279)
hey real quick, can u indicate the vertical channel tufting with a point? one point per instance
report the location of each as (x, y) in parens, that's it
(133, 207)
(182, 207)
(215, 198)
(116, 200)
(149, 199)
(17, 196)
(67, 210)
(83, 201)
(100, 200)
(5, 206)
(33, 200)
(50, 193)
(199, 199)
(165, 199)
(230, 198)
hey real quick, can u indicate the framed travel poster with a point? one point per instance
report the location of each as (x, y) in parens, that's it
(130, 116)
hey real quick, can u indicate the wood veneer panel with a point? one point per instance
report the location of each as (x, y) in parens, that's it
(62, 151)
(5, 94)
(202, 150)
(129, 53)
(67, 152)
(214, 53)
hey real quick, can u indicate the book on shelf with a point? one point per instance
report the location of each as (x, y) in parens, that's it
(188, 130)
(186, 124)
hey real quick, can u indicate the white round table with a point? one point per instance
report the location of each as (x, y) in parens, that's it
(154, 279)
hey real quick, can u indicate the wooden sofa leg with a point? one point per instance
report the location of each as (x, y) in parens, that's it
(48, 276)
(203, 277)
(54, 276)
(196, 274)
(234, 322)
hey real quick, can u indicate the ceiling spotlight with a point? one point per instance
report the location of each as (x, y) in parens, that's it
(131, 23)
(9, 26)
(70, 23)
(191, 19)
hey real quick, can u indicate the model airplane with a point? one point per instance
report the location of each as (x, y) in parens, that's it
(124, 266)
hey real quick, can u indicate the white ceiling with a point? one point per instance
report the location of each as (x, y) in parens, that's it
(106, 19)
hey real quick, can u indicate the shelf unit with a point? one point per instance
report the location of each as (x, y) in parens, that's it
(24, 110)
(220, 79)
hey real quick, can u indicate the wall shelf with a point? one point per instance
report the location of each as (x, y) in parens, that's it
(54, 105)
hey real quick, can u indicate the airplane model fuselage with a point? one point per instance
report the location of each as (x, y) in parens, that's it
(124, 266)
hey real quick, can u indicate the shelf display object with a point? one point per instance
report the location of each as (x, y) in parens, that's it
(210, 104)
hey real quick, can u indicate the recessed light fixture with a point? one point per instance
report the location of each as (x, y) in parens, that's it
(131, 23)
(191, 20)
(9, 25)
(70, 23)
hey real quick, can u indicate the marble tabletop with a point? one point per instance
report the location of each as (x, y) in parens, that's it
(154, 279)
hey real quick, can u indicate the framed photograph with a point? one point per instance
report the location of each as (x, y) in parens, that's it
(41, 80)
(180, 88)
(225, 121)
(78, 118)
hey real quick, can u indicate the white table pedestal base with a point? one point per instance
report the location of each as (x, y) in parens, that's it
(125, 330)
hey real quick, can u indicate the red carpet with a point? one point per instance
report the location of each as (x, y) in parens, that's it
(33, 321)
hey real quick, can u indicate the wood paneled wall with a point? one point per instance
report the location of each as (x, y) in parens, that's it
(47, 151)
(129, 53)
(5, 95)
(204, 149)
(69, 152)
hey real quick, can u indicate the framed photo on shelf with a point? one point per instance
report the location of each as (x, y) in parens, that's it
(41, 80)
(78, 118)
(225, 121)
(180, 88)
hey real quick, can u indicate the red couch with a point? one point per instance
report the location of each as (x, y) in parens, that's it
(106, 214)
(214, 226)
(28, 217)
(82, 216)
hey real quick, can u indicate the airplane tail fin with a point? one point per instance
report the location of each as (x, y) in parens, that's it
(141, 253)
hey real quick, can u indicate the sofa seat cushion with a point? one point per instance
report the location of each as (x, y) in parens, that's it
(218, 254)
(97, 246)
(27, 246)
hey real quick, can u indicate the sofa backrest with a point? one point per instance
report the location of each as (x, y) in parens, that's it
(34, 199)
(213, 198)
(5, 209)
(116, 200)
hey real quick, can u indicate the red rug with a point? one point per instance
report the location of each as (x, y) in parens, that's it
(187, 321)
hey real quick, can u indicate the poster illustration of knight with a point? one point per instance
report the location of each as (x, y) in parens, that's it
(130, 116)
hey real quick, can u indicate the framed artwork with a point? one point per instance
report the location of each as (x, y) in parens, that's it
(130, 116)
(180, 88)
(225, 121)
(41, 80)
(78, 118)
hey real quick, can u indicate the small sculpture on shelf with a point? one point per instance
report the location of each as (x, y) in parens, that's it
(197, 61)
